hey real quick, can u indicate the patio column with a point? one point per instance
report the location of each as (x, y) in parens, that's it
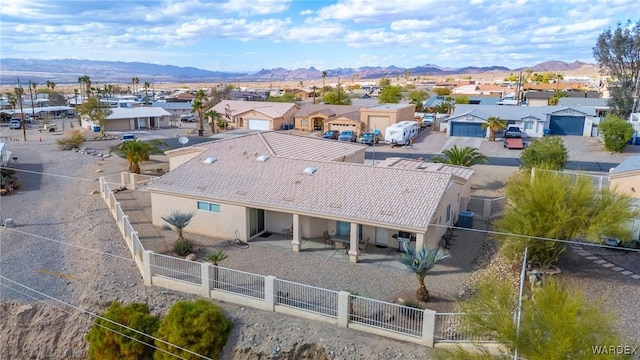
(419, 241)
(354, 251)
(296, 233)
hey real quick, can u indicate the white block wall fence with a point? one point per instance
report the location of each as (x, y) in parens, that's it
(340, 308)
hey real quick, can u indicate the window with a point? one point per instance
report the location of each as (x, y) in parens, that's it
(448, 215)
(207, 206)
(528, 125)
(458, 199)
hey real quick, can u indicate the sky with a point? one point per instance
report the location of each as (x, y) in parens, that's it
(249, 35)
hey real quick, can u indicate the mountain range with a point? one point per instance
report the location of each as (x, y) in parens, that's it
(67, 71)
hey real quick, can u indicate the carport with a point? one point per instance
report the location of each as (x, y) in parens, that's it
(467, 129)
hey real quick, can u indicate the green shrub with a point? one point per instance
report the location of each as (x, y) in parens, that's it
(616, 132)
(72, 139)
(105, 339)
(198, 326)
(545, 153)
(183, 247)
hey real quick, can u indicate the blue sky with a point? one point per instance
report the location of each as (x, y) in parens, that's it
(249, 35)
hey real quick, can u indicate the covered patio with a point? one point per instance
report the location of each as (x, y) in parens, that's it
(356, 242)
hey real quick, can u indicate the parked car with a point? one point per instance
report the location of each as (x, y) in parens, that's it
(331, 134)
(128, 137)
(15, 124)
(347, 136)
(513, 132)
(187, 118)
(369, 138)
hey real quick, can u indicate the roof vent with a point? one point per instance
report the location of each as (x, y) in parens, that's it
(209, 160)
(309, 170)
(262, 158)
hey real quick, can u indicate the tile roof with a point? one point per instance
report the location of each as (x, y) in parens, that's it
(270, 109)
(306, 147)
(462, 172)
(329, 110)
(571, 102)
(396, 197)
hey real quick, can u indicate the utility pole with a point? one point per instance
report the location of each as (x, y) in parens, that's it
(33, 112)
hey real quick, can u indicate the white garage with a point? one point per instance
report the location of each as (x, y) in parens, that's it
(258, 124)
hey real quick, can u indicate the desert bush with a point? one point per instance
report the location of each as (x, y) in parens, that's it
(183, 247)
(198, 326)
(72, 139)
(105, 339)
(545, 153)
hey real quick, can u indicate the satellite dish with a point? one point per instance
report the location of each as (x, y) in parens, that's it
(183, 140)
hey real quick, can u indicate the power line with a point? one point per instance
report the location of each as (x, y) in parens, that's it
(94, 315)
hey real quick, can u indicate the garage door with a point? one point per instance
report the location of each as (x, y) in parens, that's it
(467, 129)
(378, 123)
(566, 125)
(257, 124)
(342, 127)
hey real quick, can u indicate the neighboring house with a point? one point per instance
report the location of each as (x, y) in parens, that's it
(467, 120)
(257, 115)
(248, 95)
(269, 182)
(541, 98)
(600, 105)
(176, 109)
(311, 117)
(137, 118)
(634, 119)
(47, 112)
(625, 180)
(381, 116)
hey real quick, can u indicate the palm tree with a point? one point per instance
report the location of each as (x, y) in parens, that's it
(466, 156)
(19, 91)
(420, 263)
(146, 86)
(136, 152)
(494, 124)
(12, 99)
(324, 76)
(50, 85)
(215, 118)
(314, 89)
(215, 258)
(85, 85)
(198, 105)
(135, 81)
(177, 222)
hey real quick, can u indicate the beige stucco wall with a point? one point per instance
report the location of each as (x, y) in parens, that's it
(275, 222)
(394, 115)
(222, 225)
(117, 125)
(313, 227)
(624, 183)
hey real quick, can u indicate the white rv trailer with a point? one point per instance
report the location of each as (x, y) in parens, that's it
(401, 133)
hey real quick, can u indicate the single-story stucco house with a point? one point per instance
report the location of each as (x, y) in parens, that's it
(467, 120)
(266, 182)
(326, 117)
(257, 115)
(133, 118)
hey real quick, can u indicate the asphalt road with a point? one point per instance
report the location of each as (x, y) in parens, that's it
(501, 161)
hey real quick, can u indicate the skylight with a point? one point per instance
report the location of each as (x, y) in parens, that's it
(262, 158)
(209, 160)
(309, 170)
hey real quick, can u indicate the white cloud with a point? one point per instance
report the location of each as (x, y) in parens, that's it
(255, 7)
(306, 12)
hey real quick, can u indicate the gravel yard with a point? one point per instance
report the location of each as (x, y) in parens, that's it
(66, 245)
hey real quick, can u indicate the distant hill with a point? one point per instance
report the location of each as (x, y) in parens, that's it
(67, 72)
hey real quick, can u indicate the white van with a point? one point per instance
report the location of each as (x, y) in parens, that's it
(401, 133)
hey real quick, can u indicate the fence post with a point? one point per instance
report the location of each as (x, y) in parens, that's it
(269, 292)
(123, 179)
(428, 327)
(206, 284)
(343, 308)
(147, 272)
(132, 181)
(486, 209)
